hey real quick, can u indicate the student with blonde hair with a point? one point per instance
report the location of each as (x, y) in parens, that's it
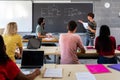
(12, 40)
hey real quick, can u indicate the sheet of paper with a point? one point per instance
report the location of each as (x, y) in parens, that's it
(48, 39)
(85, 76)
(26, 72)
(53, 72)
(85, 25)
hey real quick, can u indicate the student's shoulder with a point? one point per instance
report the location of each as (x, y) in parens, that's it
(76, 35)
(112, 37)
(17, 36)
(63, 34)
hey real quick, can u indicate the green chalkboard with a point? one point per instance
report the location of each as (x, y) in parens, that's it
(57, 15)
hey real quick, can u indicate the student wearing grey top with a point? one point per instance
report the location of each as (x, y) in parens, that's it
(40, 32)
(90, 35)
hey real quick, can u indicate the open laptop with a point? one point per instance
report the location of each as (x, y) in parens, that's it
(32, 59)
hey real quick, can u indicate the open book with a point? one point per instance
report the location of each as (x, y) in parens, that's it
(85, 25)
(53, 72)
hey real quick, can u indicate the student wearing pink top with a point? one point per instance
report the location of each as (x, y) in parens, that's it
(69, 43)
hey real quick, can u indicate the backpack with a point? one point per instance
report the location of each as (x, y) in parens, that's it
(34, 43)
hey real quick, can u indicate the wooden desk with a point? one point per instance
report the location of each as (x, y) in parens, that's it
(55, 50)
(50, 40)
(47, 50)
(40, 77)
(114, 75)
(74, 68)
(89, 52)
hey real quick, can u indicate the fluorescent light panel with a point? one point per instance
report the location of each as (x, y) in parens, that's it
(52, 1)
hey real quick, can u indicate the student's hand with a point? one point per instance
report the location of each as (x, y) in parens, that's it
(80, 21)
(18, 55)
(89, 28)
(49, 35)
(37, 72)
(33, 74)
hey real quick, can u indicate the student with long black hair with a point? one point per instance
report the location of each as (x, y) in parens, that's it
(9, 70)
(105, 45)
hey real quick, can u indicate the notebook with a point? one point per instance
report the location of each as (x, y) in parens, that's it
(32, 59)
(97, 68)
(53, 72)
(115, 66)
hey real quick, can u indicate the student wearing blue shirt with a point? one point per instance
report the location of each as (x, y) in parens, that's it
(41, 32)
(40, 28)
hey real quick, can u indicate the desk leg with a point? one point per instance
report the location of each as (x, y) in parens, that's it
(44, 60)
(55, 61)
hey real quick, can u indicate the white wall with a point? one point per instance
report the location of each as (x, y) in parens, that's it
(16, 11)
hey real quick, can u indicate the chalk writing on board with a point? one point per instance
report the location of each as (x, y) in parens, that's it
(57, 15)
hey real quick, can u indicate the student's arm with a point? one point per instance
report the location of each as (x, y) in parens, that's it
(82, 51)
(31, 76)
(80, 45)
(40, 35)
(92, 30)
(21, 51)
(80, 21)
(19, 46)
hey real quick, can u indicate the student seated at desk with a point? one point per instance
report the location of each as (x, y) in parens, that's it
(105, 46)
(9, 70)
(40, 31)
(12, 40)
(69, 43)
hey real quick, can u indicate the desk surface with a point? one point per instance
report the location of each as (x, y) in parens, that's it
(55, 50)
(113, 75)
(54, 39)
(47, 50)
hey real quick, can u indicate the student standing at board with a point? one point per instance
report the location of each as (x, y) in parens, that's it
(91, 29)
(105, 46)
(69, 44)
(12, 40)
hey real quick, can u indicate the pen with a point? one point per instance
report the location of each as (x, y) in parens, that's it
(69, 74)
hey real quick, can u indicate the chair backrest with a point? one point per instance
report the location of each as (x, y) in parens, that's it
(1, 31)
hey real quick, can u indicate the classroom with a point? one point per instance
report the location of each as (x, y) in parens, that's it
(59, 20)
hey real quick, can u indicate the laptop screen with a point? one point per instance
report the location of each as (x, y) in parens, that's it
(32, 59)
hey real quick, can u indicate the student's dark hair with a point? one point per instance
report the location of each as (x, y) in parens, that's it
(40, 20)
(91, 14)
(72, 25)
(3, 56)
(104, 39)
